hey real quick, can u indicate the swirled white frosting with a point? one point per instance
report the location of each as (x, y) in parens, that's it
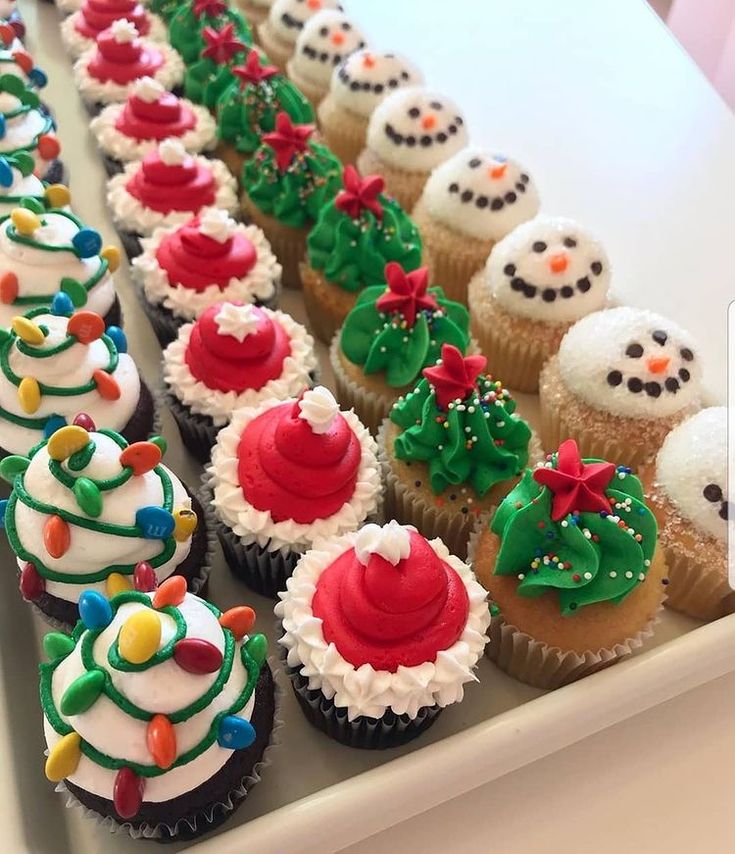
(326, 39)
(29, 187)
(366, 77)
(76, 43)
(219, 405)
(237, 321)
(318, 408)
(365, 691)
(391, 541)
(258, 526)
(22, 132)
(286, 18)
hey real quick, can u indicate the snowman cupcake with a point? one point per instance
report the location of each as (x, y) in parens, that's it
(622, 379)
(546, 274)
(470, 203)
(363, 80)
(412, 132)
(80, 30)
(322, 45)
(280, 30)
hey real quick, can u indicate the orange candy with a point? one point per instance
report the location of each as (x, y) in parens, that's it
(56, 536)
(238, 620)
(49, 146)
(23, 60)
(8, 288)
(161, 741)
(86, 326)
(106, 385)
(142, 457)
(170, 592)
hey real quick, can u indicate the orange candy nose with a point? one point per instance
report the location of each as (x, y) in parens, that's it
(658, 364)
(368, 61)
(428, 122)
(559, 263)
(338, 39)
(498, 170)
(314, 4)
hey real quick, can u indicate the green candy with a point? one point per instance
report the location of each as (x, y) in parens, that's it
(57, 645)
(12, 466)
(88, 496)
(257, 648)
(83, 693)
(75, 290)
(160, 442)
(31, 204)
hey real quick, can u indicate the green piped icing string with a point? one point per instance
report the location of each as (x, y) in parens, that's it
(185, 26)
(29, 101)
(25, 164)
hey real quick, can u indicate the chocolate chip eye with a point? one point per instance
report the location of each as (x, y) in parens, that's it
(686, 354)
(614, 378)
(596, 267)
(436, 105)
(539, 246)
(570, 242)
(660, 337)
(323, 32)
(346, 27)
(712, 492)
(474, 163)
(414, 112)
(635, 351)
(635, 385)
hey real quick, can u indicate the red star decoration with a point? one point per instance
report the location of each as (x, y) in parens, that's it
(253, 72)
(210, 8)
(456, 376)
(360, 194)
(406, 292)
(287, 140)
(576, 485)
(221, 45)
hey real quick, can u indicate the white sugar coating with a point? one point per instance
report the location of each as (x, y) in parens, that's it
(327, 38)
(549, 269)
(415, 129)
(691, 468)
(631, 362)
(286, 18)
(367, 77)
(481, 194)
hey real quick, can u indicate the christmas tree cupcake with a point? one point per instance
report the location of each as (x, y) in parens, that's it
(255, 11)
(89, 511)
(394, 331)
(183, 270)
(17, 182)
(165, 9)
(280, 30)
(157, 710)
(286, 184)
(79, 30)
(46, 252)
(186, 27)
(362, 81)
(356, 235)
(452, 449)
(285, 474)
(129, 131)
(410, 133)
(210, 74)
(166, 188)
(235, 355)
(382, 629)
(325, 41)
(570, 562)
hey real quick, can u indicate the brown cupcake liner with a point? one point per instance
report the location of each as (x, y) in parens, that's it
(288, 244)
(697, 591)
(326, 304)
(345, 132)
(279, 52)
(405, 187)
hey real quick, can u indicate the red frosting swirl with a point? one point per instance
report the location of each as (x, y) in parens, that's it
(123, 62)
(165, 117)
(189, 186)
(97, 15)
(391, 616)
(222, 362)
(287, 469)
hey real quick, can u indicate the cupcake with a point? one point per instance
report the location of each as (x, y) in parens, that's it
(17, 182)
(157, 711)
(571, 564)
(210, 74)
(284, 474)
(381, 631)
(248, 107)
(235, 355)
(622, 379)
(89, 511)
(470, 203)
(286, 184)
(79, 30)
(44, 254)
(56, 363)
(690, 500)
(166, 188)
(452, 449)
(286, 18)
(12, 18)
(325, 41)
(185, 29)
(409, 134)
(545, 275)
(255, 11)
(15, 60)
(362, 80)
(185, 269)
(356, 235)
(394, 331)
(106, 73)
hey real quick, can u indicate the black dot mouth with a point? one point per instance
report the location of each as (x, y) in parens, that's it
(378, 88)
(550, 293)
(290, 22)
(425, 140)
(651, 388)
(490, 203)
(324, 57)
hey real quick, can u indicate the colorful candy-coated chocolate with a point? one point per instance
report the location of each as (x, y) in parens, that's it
(61, 304)
(117, 583)
(257, 647)
(38, 77)
(53, 423)
(142, 457)
(3, 126)
(127, 793)
(3, 510)
(86, 326)
(8, 288)
(85, 422)
(111, 254)
(94, 610)
(235, 733)
(49, 148)
(58, 195)
(56, 536)
(185, 523)
(32, 585)
(33, 205)
(25, 221)
(88, 496)
(118, 338)
(196, 655)
(57, 645)
(238, 620)
(75, 290)
(154, 522)
(87, 242)
(160, 739)
(23, 60)
(170, 592)
(107, 386)
(140, 636)
(25, 163)
(67, 441)
(6, 173)
(161, 442)
(144, 577)
(82, 693)
(29, 394)
(27, 330)
(12, 466)
(63, 758)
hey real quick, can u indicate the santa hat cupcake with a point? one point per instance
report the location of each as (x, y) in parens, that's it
(285, 21)
(187, 25)
(79, 30)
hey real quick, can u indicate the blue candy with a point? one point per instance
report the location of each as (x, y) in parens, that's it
(3, 508)
(118, 338)
(155, 523)
(6, 173)
(2, 126)
(235, 733)
(53, 423)
(94, 610)
(61, 305)
(38, 77)
(87, 242)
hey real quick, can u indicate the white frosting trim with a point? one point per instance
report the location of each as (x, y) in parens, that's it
(75, 43)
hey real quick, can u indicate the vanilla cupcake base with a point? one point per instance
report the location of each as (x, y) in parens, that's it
(344, 132)
(254, 13)
(288, 244)
(279, 52)
(326, 304)
(313, 91)
(405, 187)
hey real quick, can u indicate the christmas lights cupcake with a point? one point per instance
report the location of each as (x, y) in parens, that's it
(541, 278)
(235, 355)
(12, 19)
(129, 131)
(186, 27)
(79, 30)
(286, 184)
(468, 204)
(44, 253)
(280, 30)
(452, 449)
(382, 629)
(570, 562)
(362, 80)
(285, 474)
(409, 134)
(17, 182)
(15, 60)
(690, 500)
(157, 710)
(356, 235)
(106, 73)
(394, 331)
(185, 269)
(166, 188)
(255, 11)
(56, 363)
(208, 76)
(89, 511)
(325, 41)
(622, 379)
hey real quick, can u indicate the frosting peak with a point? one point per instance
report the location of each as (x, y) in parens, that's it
(147, 89)
(318, 408)
(172, 152)
(217, 224)
(123, 31)
(239, 321)
(392, 542)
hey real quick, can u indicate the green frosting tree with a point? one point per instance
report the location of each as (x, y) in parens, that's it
(186, 27)
(166, 9)
(206, 79)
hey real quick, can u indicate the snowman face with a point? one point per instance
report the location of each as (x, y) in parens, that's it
(416, 130)
(287, 17)
(365, 78)
(631, 362)
(480, 194)
(549, 269)
(691, 468)
(325, 41)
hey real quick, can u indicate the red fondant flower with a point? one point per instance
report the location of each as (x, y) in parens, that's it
(210, 8)
(360, 193)
(406, 292)
(456, 376)
(221, 45)
(253, 71)
(287, 140)
(576, 485)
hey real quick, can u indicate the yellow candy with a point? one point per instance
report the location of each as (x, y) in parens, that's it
(186, 522)
(140, 636)
(63, 758)
(117, 583)
(112, 255)
(28, 331)
(67, 441)
(25, 221)
(29, 395)
(58, 195)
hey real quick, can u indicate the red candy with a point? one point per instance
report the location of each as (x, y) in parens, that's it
(197, 656)
(23, 60)
(239, 621)
(31, 584)
(127, 793)
(49, 146)
(144, 577)
(84, 420)
(142, 457)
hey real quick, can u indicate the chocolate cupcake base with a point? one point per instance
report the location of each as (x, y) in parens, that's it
(262, 571)
(198, 432)
(114, 316)
(112, 166)
(131, 243)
